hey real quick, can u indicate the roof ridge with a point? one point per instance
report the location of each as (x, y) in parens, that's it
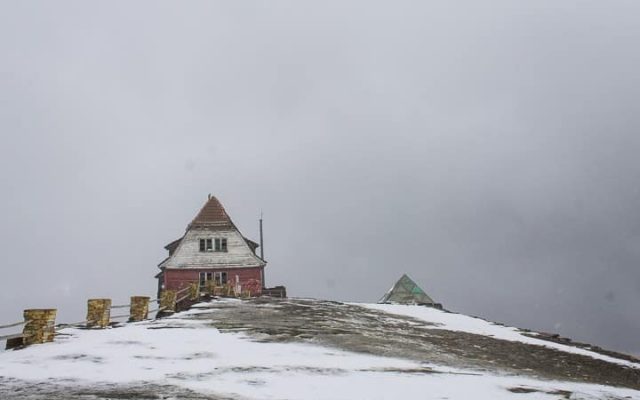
(212, 213)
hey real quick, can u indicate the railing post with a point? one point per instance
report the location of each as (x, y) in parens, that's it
(216, 290)
(194, 291)
(228, 289)
(168, 300)
(40, 326)
(139, 309)
(98, 313)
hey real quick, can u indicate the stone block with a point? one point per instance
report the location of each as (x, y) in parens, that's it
(168, 300)
(139, 309)
(40, 326)
(98, 313)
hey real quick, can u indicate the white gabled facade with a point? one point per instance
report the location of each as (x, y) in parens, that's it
(238, 254)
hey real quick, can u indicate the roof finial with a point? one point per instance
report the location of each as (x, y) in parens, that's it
(209, 198)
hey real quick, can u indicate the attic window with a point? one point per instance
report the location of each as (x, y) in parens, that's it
(221, 244)
(206, 245)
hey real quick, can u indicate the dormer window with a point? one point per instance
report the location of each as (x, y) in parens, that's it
(221, 244)
(206, 245)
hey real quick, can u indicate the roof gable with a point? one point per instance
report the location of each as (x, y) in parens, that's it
(212, 223)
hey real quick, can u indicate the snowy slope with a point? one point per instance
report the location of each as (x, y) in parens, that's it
(464, 323)
(186, 351)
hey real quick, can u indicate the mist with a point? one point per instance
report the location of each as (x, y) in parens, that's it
(489, 150)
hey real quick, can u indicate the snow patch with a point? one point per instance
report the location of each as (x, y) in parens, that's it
(463, 323)
(187, 352)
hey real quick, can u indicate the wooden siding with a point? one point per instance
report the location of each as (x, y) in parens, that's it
(188, 254)
(175, 279)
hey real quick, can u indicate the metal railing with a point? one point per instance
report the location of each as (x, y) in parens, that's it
(12, 335)
(78, 324)
(192, 292)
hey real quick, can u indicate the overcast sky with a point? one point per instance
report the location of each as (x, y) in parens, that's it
(488, 149)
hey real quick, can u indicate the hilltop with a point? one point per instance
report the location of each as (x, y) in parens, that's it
(311, 349)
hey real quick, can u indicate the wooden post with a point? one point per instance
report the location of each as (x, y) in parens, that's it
(40, 326)
(194, 291)
(229, 290)
(98, 313)
(139, 309)
(168, 301)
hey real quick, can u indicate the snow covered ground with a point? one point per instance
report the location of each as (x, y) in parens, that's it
(188, 352)
(464, 323)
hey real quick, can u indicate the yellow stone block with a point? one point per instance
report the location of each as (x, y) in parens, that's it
(168, 300)
(40, 325)
(98, 312)
(139, 308)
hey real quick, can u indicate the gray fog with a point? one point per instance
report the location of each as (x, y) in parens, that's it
(488, 149)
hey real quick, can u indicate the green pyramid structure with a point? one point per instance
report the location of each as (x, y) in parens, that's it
(406, 291)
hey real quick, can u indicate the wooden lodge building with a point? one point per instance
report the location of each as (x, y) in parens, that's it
(212, 251)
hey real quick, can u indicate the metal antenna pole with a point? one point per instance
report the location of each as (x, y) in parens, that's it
(261, 239)
(264, 285)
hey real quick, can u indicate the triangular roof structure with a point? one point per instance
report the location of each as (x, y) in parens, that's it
(212, 222)
(406, 291)
(211, 214)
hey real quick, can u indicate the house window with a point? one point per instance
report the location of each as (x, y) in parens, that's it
(206, 245)
(204, 278)
(220, 278)
(221, 244)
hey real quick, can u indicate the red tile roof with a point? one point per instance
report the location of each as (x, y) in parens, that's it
(212, 214)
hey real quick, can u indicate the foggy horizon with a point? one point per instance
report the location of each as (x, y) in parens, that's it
(489, 151)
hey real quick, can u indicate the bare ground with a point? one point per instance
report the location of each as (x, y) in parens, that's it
(354, 328)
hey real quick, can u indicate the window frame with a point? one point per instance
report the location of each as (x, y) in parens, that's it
(220, 278)
(217, 245)
(221, 245)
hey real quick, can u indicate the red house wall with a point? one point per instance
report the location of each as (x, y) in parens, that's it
(175, 279)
